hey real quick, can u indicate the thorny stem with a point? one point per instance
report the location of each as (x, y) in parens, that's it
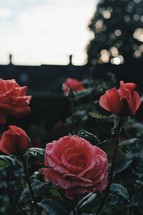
(116, 139)
(29, 185)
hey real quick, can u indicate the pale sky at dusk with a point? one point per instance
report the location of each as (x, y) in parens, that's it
(44, 31)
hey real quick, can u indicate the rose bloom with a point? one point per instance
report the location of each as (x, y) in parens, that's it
(74, 84)
(122, 102)
(76, 166)
(13, 100)
(14, 141)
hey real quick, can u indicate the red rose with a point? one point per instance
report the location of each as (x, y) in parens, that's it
(13, 100)
(122, 102)
(75, 166)
(14, 141)
(74, 84)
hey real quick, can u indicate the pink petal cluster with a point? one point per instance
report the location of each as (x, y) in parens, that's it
(13, 100)
(74, 84)
(122, 102)
(75, 165)
(14, 141)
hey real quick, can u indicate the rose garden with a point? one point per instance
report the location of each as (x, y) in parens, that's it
(95, 168)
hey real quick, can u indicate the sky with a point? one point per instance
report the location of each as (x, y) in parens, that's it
(39, 32)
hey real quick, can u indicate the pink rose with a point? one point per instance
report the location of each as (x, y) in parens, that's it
(13, 100)
(75, 165)
(122, 102)
(14, 141)
(74, 84)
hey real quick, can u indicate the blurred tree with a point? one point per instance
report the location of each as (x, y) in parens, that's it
(117, 28)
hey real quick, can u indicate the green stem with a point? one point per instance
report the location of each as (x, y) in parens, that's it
(116, 138)
(72, 115)
(29, 185)
(74, 209)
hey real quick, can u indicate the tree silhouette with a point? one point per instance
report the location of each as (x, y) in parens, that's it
(117, 28)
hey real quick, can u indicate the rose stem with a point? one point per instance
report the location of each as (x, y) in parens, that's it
(29, 185)
(74, 210)
(116, 139)
(72, 114)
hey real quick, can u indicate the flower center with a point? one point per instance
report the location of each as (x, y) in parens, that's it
(77, 160)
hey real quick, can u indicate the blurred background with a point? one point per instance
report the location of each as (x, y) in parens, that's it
(43, 42)
(44, 31)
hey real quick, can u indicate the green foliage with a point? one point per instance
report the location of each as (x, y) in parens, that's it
(97, 116)
(87, 202)
(39, 188)
(118, 189)
(53, 208)
(6, 160)
(36, 153)
(89, 137)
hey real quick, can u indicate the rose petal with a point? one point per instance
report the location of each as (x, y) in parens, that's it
(110, 101)
(13, 100)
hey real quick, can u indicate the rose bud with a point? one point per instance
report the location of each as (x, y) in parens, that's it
(14, 141)
(122, 102)
(74, 84)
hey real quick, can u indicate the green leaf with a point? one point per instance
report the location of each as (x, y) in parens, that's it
(97, 116)
(119, 190)
(89, 137)
(7, 159)
(87, 214)
(36, 150)
(128, 141)
(122, 165)
(137, 202)
(25, 195)
(83, 93)
(87, 201)
(114, 199)
(3, 164)
(38, 188)
(139, 154)
(4, 203)
(52, 207)
(54, 191)
(138, 197)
